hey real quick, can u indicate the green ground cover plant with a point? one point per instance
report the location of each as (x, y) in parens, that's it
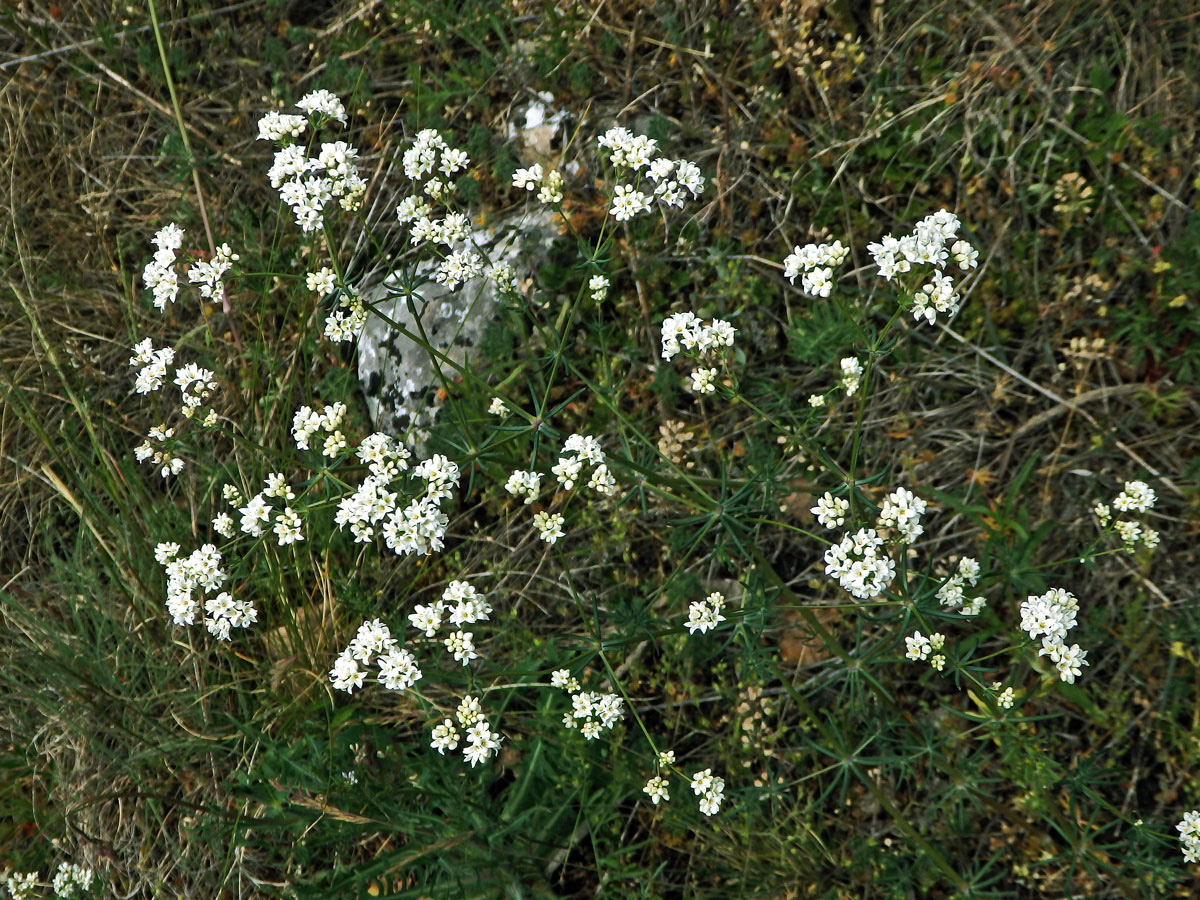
(815, 518)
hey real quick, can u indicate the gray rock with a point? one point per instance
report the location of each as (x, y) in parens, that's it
(399, 376)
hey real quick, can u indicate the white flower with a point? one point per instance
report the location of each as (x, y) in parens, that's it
(598, 288)
(901, 512)
(1130, 532)
(427, 618)
(321, 281)
(859, 566)
(527, 179)
(965, 256)
(706, 614)
(207, 273)
(346, 674)
(275, 126)
(656, 788)
(918, 646)
(445, 737)
(69, 879)
(1069, 661)
(497, 407)
(1137, 497)
(549, 526)
(602, 481)
(398, 670)
(550, 192)
(831, 511)
(453, 160)
(524, 483)
(1189, 836)
(165, 552)
(255, 515)
(627, 203)
(818, 282)
(1052, 614)
(371, 639)
(704, 381)
(852, 372)
(223, 525)
(21, 885)
(323, 103)
(566, 470)
(710, 789)
(461, 646)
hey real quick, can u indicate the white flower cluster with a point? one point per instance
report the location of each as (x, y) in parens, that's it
(591, 712)
(927, 245)
(952, 594)
(201, 570)
(815, 263)
(208, 273)
(70, 879)
(419, 527)
(465, 606)
(195, 384)
(598, 288)
(159, 275)
(578, 451)
(279, 127)
(831, 511)
(674, 179)
(422, 158)
(323, 103)
(524, 484)
(308, 184)
(322, 281)
(461, 266)
(398, 669)
(21, 885)
(859, 565)
(1004, 698)
(685, 333)
(549, 526)
(901, 513)
(482, 742)
(256, 514)
(710, 789)
(657, 788)
(153, 365)
(1189, 835)
(549, 185)
(1050, 616)
(705, 614)
(306, 423)
(1138, 497)
(504, 276)
(430, 155)
(920, 647)
(346, 321)
(852, 372)
(704, 380)
(162, 459)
